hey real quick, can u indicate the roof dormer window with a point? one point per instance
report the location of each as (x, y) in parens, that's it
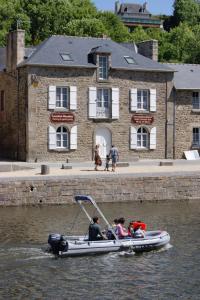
(66, 56)
(130, 60)
(103, 67)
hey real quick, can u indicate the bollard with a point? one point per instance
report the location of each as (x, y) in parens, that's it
(44, 169)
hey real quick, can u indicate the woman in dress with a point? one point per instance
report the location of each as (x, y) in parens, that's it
(97, 158)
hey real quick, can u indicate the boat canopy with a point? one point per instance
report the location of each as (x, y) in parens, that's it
(83, 198)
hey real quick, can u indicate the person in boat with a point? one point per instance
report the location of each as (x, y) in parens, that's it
(95, 233)
(138, 232)
(121, 230)
(109, 233)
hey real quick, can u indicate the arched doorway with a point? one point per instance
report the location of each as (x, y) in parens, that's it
(103, 139)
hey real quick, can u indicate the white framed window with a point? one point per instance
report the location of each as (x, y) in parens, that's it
(142, 138)
(103, 67)
(103, 103)
(62, 138)
(143, 100)
(196, 137)
(196, 100)
(103, 97)
(62, 97)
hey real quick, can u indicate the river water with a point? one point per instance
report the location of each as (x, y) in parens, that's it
(26, 272)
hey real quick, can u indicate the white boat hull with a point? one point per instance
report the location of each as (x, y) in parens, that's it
(72, 246)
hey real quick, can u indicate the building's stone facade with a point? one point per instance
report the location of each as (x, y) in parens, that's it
(24, 132)
(38, 115)
(186, 118)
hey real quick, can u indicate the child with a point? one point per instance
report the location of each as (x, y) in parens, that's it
(107, 163)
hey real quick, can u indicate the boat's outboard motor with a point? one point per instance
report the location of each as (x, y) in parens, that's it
(57, 243)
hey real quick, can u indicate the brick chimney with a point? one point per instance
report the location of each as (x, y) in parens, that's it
(15, 50)
(148, 49)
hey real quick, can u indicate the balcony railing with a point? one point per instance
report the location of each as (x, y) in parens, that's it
(103, 113)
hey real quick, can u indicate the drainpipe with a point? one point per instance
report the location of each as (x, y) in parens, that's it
(174, 123)
(166, 121)
(18, 118)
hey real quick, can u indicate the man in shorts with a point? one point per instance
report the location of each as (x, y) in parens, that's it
(114, 154)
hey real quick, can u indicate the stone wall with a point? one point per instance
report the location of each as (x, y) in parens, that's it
(61, 190)
(9, 117)
(13, 119)
(39, 115)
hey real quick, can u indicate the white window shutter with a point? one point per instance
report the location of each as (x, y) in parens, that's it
(52, 97)
(153, 138)
(133, 96)
(73, 138)
(52, 137)
(152, 99)
(133, 138)
(73, 98)
(115, 103)
(92, 102)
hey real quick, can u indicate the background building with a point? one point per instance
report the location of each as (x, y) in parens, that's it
(133, 15)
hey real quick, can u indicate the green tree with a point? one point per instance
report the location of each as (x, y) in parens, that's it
(181, 37)
(139, 34)
(114, 27)
(186, 11)
(194, 46)
(85, 27)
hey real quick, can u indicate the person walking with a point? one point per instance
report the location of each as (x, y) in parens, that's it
(114, 154)
(97, 158)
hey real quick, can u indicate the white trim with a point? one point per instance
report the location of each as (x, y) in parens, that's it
(153, 138)
(152, 99)
(52, 97)
(92, 102)
(73, 138)
(115, 103)
(52, 137)
(73, 97)
(133, 99)
(133, 138)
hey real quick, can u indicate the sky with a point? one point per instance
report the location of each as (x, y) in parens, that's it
(155, 7)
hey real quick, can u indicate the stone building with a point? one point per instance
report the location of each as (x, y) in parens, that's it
(68, 94)
(133, 15)
(186, 109)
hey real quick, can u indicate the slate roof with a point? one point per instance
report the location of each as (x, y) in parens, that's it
(130, 46)
(49, 54)
(132, 8)
(186, 76)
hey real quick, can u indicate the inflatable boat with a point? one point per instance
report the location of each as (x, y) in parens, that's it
(62, 245)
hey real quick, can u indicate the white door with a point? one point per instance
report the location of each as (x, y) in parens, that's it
(103, 139)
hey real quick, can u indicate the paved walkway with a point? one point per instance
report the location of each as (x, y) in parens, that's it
(139, 168)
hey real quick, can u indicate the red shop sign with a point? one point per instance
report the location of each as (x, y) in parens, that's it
(142, 119)
(62, 117)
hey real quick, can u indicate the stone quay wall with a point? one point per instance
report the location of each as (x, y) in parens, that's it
(57, 190)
